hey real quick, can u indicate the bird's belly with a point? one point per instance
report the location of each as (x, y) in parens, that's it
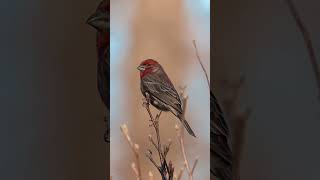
(159, 105)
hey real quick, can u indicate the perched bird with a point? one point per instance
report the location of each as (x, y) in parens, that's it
(100, 20)
(156, 85)
(221, 154)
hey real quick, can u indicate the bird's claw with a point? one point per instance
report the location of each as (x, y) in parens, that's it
(145, 103)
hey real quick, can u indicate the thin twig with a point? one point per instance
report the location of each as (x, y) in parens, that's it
(149, 155)
(199, 60)
(164, 169)
(240, 126)
(186, 162)
(180, 135)
(135, 149)
(194, 164)
(181, 142)
(308, 42)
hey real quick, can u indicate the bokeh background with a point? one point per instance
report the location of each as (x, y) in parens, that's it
(161, 30)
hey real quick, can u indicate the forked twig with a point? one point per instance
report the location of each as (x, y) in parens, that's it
(166, 170)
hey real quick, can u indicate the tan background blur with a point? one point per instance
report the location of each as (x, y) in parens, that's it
(162, 30)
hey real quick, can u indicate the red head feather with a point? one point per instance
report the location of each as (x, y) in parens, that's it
(148, 66)
(149, 62)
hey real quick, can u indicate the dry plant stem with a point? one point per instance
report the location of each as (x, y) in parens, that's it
(240, 123)
(180, 134)
(164, 169)
(194, 165)
(199, 60)
(155, 124)
(240, 126)
(135, 149)
(186, 162)
(308, 42)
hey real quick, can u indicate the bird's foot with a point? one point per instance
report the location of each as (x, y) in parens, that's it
(145, 103)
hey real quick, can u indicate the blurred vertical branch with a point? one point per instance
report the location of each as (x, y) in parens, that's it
(180, 135)
(307, 40)
(238, 118)
(135, 149)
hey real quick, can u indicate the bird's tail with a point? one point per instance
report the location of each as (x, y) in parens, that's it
(186, 125)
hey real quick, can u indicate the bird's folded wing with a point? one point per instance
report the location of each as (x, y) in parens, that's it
(163, 91)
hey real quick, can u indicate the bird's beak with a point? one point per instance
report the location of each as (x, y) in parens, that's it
(141, 68)
(99, 21)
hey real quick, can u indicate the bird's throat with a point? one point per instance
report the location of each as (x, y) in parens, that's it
(145, 72)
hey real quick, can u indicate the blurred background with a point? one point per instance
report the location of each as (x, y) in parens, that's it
(161, 30)
(51, 116)
(261, 40)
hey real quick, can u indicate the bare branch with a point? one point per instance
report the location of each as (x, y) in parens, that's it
(194, 164)
(149, 155)
(308, 42)
(181, 143)
(199, 60)
(180, 135)
(166, 170)
(135, 150)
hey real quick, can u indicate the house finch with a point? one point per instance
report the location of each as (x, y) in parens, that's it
(101, 22)
(156, 85)
(221, 155)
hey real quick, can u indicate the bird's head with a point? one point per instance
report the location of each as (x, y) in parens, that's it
(148, 66)
(100, 19)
